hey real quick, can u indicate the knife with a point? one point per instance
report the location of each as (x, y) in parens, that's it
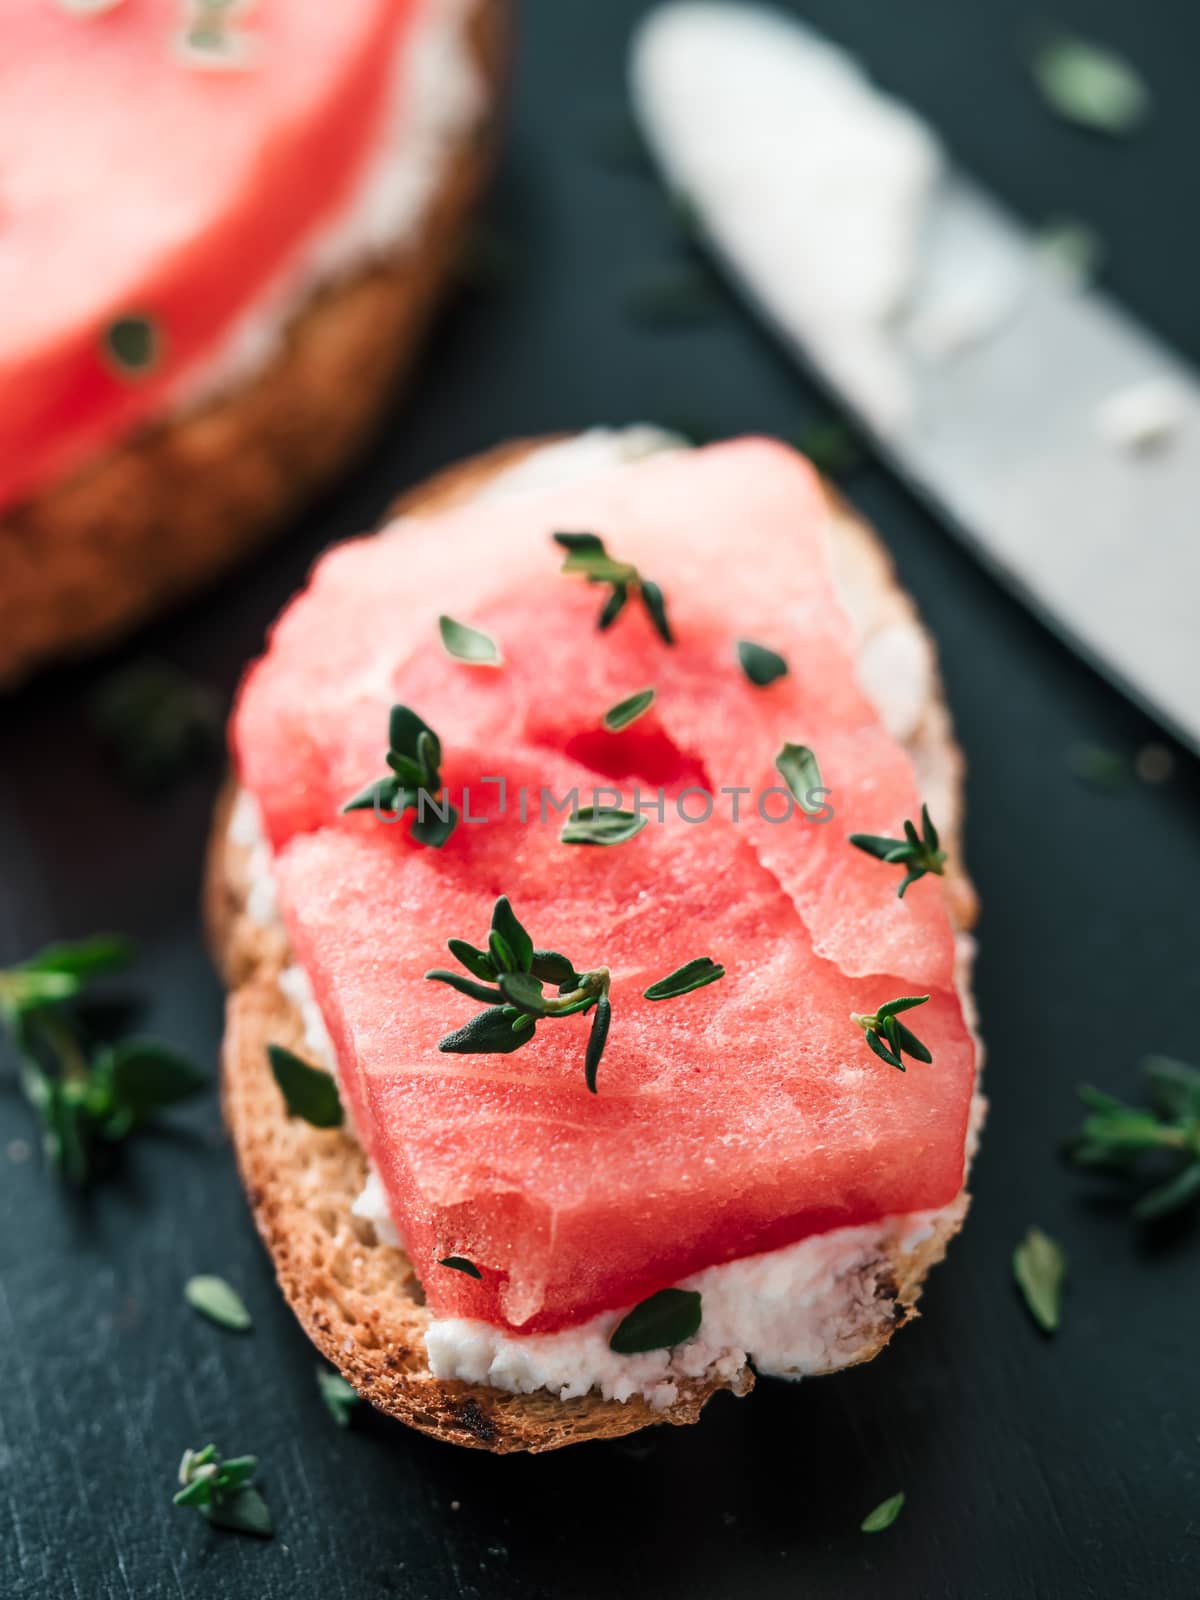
(994, 386)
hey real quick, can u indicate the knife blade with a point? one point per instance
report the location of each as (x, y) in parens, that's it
(986, 389)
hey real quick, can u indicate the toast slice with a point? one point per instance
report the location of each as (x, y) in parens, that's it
(167, 511)
(357, 1297)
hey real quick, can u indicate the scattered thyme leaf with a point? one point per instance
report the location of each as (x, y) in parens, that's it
(221, 1490)
(1039, 1266)
(832, 446)
(602, 825)
(886, 1035)
(1071, 248)
(1090, 85)
(695, 974)
(798, 767)
(663, 1320)
(159, 722)
(339, 1398)
(87, 1097)
(218, 1301)
(1159, 1145)
(469, 644)
(916, 853)
(628, 710)
(587, 558)
(884, 1514)
(308, 1092)
(133, 345)
(761, 665)
(461, 1264)
(415, 784)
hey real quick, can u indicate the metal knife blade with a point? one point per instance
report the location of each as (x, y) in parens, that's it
(1001, 434)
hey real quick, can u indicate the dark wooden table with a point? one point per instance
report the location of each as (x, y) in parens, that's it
(1032, 1467)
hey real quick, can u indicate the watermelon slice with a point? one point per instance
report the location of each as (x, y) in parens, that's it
(137, 185)
(735, 1119)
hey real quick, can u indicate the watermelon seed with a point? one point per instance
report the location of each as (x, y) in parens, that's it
(133, 345)
(461, 1264)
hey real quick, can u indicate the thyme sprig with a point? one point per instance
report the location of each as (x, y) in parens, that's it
(587, 557)
(415, 781)
(886, 1034)
(221, 1490)
(1132, 1141)
(917, 853)
(87, 1096)
(511, 978)
(514, 978)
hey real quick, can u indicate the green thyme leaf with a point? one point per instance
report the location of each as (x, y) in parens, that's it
(133, 345)
(478, 962)
(222, 1491)
(1039, 1266)
(1161, 1143)
(627, 711)
(798, 766)
(415, 755)
(656, 606)
(665, 1319)
(917, 853)
(832, 446)
(474, 991)
(488, 1033)
(309, 1093)
(469, 644)
(884, 1514)
(1090, 85)
(600, 825)
(339, 1399)
(506, 923)
(587, 558)
(1072, 249)
(461, 1264)
(550, 967)
(889, 1039)
(159, 723)
(761, 665)
(524, 992)
(146, 1076)
(692, 975)
(218, 1301)
(433, 828)
(597, 1039)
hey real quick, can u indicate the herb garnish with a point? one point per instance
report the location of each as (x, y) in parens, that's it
(1071, 248)
(665, 1319)
(761, 665)
(157, 720)
(1125, 1139)
(692, 975)
(415, 783)
(133, 345)
(798, 766)
(461, 1264)
(222, 1491)
(1039, 1266)
(587, 556)
(309, 1092)
(918, 854)
(627, 711)
(218, 1301)
(339, 1397)
(884, 1025)
(1090, 85)
(515, 975)
(86, 1102)
(469, 644)
(210, 39)
(884, 1514)
(602, 825)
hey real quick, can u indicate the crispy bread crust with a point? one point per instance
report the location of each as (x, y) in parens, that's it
(167, 511)
(358, 1299)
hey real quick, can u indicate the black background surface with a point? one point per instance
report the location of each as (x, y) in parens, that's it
(1032, 1467)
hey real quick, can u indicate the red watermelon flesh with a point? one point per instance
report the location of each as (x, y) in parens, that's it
(737, 1118)
(134, 184)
